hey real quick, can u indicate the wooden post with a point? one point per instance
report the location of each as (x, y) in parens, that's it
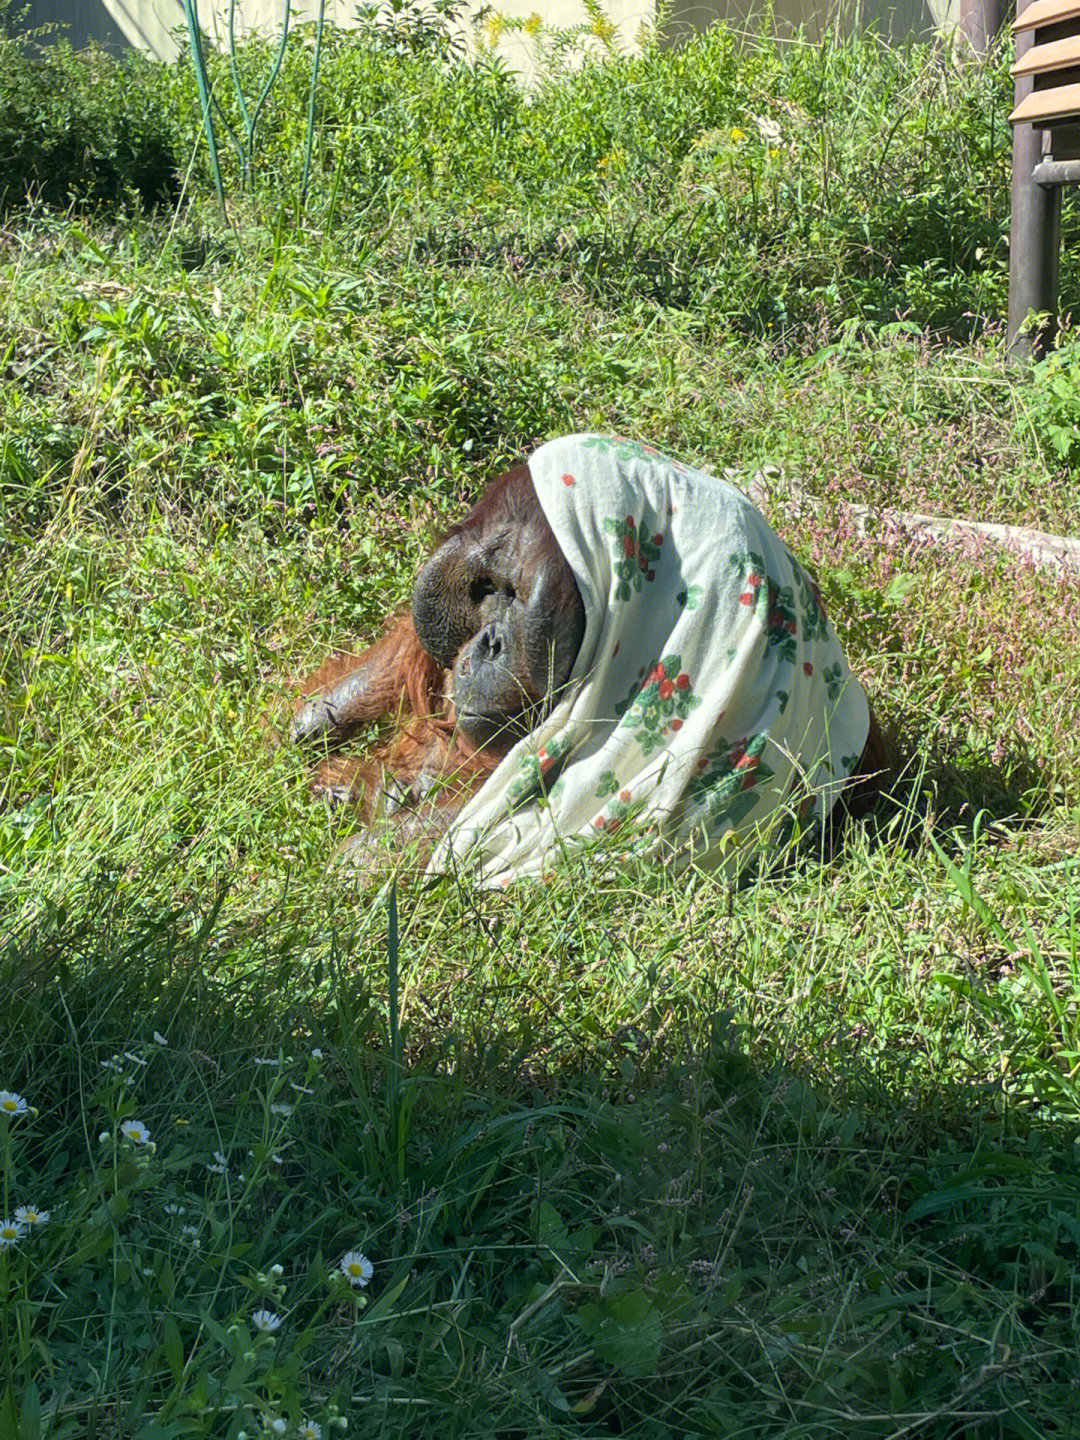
(980, 20)
(1034, 232)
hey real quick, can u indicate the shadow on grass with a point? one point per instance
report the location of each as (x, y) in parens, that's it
(655, 1239)
(959, 785)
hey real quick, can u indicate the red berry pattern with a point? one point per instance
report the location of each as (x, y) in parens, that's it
(725, 780)
(636, 553)
(661, 703)
(536, 770)
(773, 604)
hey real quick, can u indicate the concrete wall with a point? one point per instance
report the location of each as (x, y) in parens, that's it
(153, 25)
(894, 19)
(115, 24)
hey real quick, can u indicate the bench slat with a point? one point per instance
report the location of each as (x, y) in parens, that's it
(1053, 104)
(1041, 59)
(1046, 12)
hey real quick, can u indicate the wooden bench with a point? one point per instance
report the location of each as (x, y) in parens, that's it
(1046, 156)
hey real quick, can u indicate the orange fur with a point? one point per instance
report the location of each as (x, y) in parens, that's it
(407, 673)
(406, 684)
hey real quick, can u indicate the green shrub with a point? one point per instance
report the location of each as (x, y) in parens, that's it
(81, 126)
(788, 183)
(763, 186)
(767, 188)
(1052, 400)
(391, 120)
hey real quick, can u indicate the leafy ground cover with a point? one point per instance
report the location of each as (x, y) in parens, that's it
(636, 1156)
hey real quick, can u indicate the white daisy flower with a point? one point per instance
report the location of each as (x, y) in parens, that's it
(220, 1165)
(113, 1065)
(260, 1061)
(276, 1426)
(135, 1131)
(11, 1232)
(11, 1104)
(266, 1321)
(191, 1232)
(135, 1059)
(159, 1039)
(357, 1268)
(279, 1109)
(317, 1054)
(104, 1137)
(173, 1209)
(29, 1215)
(310, 1430)
(301, 1089)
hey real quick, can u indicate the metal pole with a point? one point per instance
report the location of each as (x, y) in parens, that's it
(1034, 234)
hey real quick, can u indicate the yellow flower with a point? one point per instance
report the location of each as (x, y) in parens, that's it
(737, 135)
(532, 24)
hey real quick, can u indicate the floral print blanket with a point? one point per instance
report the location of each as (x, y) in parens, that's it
(710, 705)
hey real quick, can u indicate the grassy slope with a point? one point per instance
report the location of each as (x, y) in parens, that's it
(636, 1157)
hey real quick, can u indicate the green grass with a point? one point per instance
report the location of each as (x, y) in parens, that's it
(630, 1155)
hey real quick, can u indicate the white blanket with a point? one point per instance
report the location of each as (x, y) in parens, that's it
(710, 705)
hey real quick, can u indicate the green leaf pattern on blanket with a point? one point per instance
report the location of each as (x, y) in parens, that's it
(635, 555)
(727, 778)
(616, 813)
(609, 784)
(815, 624)
(624, 449)
(534, 769)
(833, 677)
(774, 604)
(660, 704)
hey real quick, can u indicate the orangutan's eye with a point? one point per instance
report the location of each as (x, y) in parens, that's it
(480, 589)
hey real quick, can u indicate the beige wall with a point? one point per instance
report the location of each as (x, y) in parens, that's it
(519, 50)
(148, 24)
(153, 24)
(894, 19)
